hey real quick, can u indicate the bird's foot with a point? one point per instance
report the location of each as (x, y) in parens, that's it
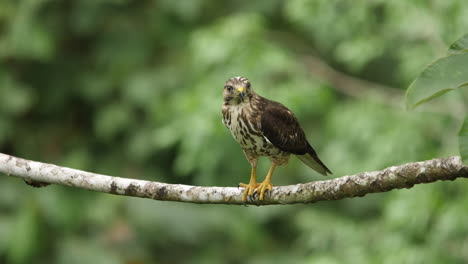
(249, 190)
(263, 187)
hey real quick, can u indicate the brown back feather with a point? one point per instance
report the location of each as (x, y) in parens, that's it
(280, 126)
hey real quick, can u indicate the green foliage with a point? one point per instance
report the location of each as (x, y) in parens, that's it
(444, 75)
(460, 46)
(25, 231)
(134, 89)
(463, 140)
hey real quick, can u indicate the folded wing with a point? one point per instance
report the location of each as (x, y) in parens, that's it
(280, 127)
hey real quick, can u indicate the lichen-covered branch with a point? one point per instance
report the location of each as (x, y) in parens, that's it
(396, 177)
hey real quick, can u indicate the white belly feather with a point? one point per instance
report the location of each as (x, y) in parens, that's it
(256, 143)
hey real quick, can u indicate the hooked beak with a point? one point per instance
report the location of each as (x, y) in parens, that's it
(241, 91)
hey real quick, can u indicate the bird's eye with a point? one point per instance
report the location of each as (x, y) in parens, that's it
(229, 88)
(247, 85)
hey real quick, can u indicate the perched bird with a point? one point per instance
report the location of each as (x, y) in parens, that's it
(264, 128)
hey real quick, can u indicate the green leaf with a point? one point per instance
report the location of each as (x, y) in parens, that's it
(463, 141)
(443, 75)
(459, 46)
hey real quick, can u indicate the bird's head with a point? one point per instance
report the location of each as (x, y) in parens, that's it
(237, 90)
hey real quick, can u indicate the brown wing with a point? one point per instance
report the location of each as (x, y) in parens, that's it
(281, 128)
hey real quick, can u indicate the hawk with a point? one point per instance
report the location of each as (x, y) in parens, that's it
(264, 128)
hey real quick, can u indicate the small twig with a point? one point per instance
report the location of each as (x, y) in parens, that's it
(352, 86)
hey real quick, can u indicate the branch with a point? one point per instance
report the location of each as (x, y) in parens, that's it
(396, 177)
(358, 88)
(351, 85)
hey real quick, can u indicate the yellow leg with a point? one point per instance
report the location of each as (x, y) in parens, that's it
(250, 188)
(266, 184)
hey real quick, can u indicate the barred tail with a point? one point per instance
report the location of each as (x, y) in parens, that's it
(312, 160)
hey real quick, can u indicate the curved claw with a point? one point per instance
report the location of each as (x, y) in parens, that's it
(251, 199)
(249, 190)
(254, 190)
(264, 187)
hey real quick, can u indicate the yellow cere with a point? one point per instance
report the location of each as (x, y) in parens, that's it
(241, 89)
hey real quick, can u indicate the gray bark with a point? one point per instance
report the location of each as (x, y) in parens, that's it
(396, 177)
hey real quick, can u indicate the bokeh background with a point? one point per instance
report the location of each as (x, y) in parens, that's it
(134, 89)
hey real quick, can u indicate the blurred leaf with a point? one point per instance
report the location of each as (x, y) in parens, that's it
(111, 120)
(357, 155)
(24, 238)
(6, 222)
(233, 36)
(463, 141)
(28, 38)
(86, 250)
(444, 75)
(15, 98)
(459, 46)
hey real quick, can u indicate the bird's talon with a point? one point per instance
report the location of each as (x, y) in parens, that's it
(249, 190)
(255, 192)
(265, 186)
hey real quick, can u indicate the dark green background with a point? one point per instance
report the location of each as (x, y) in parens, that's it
(134, 89)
